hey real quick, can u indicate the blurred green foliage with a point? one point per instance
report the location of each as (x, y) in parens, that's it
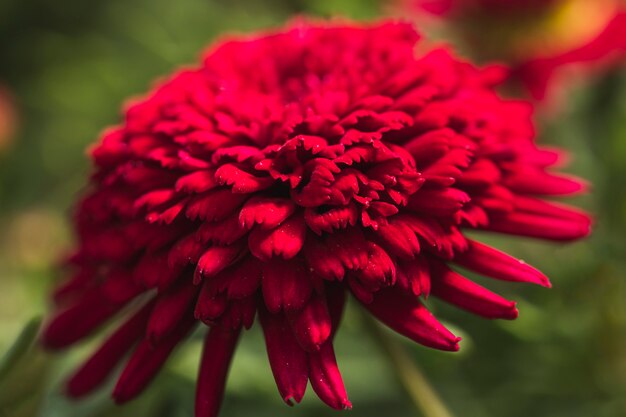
(71, 64)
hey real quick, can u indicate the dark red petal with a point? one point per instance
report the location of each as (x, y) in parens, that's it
(241, 181)
(214, 205)
(543, 183)
(286, 285)
(145, 363)
(219, 347)
(210, 305)
(288, 360)
(78, 321)
(399, 239)
(197, 182)
(550, 209)
(312, 324)
(463, 293)
(336, 296)
(331, 220)
(214, 260)
(533, 225)
(223, 233)
(102, 362)
(440, 202)
(266, 212)
(380, 269)
(244, 278)
(329, 257)
(239, 313)
(186, 251)
(285, 240)
(493, 263)
(326, 379)
(169, 310)
(405, 314)
(152, 270)
(414, 276)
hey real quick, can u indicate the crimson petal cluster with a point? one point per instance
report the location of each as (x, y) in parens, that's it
(286, 171)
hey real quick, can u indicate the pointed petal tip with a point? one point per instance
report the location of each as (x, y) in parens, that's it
(346, 405)
(292, 399)
(73, 390)
(119, 396)
(455, 344)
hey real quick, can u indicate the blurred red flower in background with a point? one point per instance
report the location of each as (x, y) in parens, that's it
(8, 119)
(542, 39)
(286, 171)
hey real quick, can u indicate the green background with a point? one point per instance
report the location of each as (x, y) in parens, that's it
(70, 66)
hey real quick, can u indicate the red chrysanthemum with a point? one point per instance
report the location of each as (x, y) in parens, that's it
(286, 171)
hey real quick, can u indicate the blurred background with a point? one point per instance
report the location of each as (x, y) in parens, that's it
(65, 70)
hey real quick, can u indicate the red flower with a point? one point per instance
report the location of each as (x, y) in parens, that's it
(540, 38)
(446, 7)
(606, 48)
(286, 171)
(8, 119)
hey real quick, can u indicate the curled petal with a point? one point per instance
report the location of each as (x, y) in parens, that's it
(380, 269)
(214, 205)
(197, 182)
(334, 219)
(214, 260)
(285, 240)
(241, 181)
(398, 238)
(266, 212)
(225, 232)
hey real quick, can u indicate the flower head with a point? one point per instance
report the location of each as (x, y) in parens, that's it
(286, 171)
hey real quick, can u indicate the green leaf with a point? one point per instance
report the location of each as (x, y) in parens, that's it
(20, 347)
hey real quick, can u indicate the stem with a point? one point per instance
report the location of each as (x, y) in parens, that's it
(414, 382)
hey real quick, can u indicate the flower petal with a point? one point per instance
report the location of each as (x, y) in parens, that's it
(405, 314)
(101, 363)
(145, 363)
(219, 347)
(286, 285)
(288, 360)
(463, 293)
(285, 240)
(493, 263)
(326, 379)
